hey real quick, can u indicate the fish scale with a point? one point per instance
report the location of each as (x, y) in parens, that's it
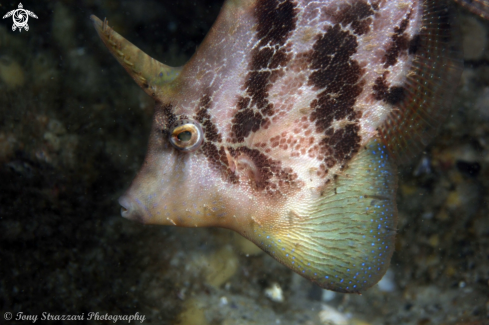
(288, 123)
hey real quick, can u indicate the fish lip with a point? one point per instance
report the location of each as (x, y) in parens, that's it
(131, 208)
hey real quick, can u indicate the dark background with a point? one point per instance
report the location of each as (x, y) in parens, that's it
(73, 130)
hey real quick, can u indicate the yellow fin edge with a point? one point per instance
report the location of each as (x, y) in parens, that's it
(343, 242)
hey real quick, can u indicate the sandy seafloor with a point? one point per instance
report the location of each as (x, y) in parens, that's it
(73, 132)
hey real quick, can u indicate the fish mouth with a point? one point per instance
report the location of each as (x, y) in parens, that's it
(131, 208)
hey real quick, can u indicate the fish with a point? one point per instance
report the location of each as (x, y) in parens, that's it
(288, 125)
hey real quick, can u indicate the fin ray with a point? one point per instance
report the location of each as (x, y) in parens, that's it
(436, 69)
(344, 240)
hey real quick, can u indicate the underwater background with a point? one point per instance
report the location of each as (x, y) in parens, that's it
(73, 131)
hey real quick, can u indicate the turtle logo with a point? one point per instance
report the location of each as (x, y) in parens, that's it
(20, 17)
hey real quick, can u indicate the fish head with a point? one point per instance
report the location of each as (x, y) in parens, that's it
(194, 175)
(209, 160)
(176, 184)
(172, 178)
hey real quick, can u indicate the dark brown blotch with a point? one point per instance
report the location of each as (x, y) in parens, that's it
(170, 117)
(414, 44)
(391, 95)
(380, 87)
(345, 142)
(396, 95)
(338, 75)
(357, 16)
(399, 43)
(257, 86)
(210, 130)
(218, 160)
(269, 176)
(245, 122)
(276, 19)
(330, 58)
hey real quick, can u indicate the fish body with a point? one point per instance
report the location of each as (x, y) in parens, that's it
(288, 123)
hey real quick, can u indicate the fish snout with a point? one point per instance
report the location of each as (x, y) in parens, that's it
(130, 209)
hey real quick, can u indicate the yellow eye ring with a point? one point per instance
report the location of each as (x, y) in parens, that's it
(186, 135)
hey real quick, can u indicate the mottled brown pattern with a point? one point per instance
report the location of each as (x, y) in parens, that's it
(391, 95)
(218, 160)
(245, 122)
(336, 73)
(170, 117)
(344, 143)
(268, 175)
(399, 44)
(275, 21)
(203, 116)
(357, 15)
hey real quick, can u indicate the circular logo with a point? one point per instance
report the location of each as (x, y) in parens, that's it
(7, 315)
(20, 18)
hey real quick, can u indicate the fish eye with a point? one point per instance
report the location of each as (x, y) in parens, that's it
(186, 135)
